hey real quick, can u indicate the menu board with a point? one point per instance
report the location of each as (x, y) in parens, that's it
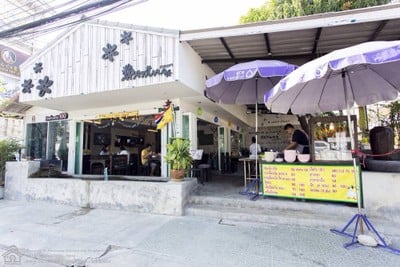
(310, 181)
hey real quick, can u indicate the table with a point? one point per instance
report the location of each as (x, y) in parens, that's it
(248, 165)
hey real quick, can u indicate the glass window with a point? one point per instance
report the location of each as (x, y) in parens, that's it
(48, 140)
(185, 126)
(36, 140)
(58, 140)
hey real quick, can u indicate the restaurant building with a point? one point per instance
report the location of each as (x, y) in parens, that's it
(102, 83)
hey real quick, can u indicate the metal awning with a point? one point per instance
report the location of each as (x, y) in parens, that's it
(13, 108)
(295, 40)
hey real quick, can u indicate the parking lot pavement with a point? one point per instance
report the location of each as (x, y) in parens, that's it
(43, 234)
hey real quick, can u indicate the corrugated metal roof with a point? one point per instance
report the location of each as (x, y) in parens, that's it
(295, 40)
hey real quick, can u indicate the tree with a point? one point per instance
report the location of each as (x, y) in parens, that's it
(8, 147)
(394, 118)
(2, 90)
(282, 9)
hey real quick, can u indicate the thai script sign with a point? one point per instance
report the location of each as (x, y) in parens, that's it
(61, 116)
(310, 181)
(120, 115)
(129, 73)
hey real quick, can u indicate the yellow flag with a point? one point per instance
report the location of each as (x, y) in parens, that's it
(167, 117)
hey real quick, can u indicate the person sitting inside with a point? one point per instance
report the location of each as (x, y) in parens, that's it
(123, 151)
(145, 155)
(254, 148)
(104, 151)
(299, 139)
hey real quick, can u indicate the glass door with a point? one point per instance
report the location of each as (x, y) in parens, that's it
(78, 148)
(221, 146)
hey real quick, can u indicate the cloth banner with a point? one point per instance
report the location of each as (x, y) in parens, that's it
(166, 117)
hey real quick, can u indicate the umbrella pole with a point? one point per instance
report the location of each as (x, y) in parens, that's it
(358, 195)
(352, 149)
(257, 178)
(358, 218)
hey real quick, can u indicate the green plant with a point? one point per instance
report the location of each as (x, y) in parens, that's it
(178, 154)
(8, 147)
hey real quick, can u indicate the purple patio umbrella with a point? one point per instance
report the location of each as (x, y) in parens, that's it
(362, 74)
(246, 83)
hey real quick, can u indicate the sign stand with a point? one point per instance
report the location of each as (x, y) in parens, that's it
(360, 218)
(356, 218)
(256, 184)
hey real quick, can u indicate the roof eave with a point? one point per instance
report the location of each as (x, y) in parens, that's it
(384, 12)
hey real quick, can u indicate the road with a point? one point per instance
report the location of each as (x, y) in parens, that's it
(43, 234)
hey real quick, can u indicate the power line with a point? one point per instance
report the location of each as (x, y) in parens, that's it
(40, 31)
(35, 15)
(21, 30)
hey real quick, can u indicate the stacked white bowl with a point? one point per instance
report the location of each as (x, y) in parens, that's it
(289, 155)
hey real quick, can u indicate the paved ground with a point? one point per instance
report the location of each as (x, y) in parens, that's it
(54, 235)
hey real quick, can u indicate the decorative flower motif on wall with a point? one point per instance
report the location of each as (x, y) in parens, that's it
(26, 86)
(128, 72)
(44, 86)
(110, 51)
(126, 37)
(38, 67)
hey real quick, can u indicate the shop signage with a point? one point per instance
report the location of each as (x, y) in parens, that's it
(129, 73)
(120, 115)
(316, 181)
(10, 60)
(61, 116)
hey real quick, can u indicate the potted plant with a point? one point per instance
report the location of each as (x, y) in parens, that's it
(8, 148)
(178, 156)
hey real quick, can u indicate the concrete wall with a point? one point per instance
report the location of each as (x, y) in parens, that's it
(153, 197)
(380, 191)
(382, 194)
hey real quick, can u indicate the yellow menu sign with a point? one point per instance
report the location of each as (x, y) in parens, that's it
(319, 182)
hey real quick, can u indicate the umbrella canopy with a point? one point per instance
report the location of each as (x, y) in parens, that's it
(363, 74)
(246, 83)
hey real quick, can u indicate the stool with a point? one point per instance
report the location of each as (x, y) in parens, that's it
(196, 172)
(204, 171)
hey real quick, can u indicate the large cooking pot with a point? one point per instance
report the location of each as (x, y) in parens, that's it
(269, 156)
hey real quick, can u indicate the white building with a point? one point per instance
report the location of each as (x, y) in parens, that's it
(124, 74)
(109, 70)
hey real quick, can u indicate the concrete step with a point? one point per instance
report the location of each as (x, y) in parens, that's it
(280, 211)
(255, 215)
(268, 204)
